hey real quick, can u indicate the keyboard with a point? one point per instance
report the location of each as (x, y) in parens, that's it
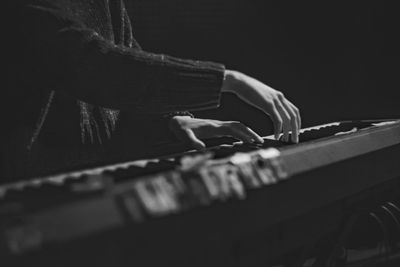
(235, 192)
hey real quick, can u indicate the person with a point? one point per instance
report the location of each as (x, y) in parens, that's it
(76, 63)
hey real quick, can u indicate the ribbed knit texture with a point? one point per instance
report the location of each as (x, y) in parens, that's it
(88, 50)
(84, 51)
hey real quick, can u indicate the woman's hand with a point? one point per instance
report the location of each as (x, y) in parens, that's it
(285, 115)
(191, 130)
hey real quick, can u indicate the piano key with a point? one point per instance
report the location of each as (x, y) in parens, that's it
(197, 193)
(248, 175)
(149, 199)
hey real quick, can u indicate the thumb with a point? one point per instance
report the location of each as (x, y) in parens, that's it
(193, 140)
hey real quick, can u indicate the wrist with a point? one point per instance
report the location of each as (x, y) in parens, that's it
(227, 85)
(174, 118)
(231, 82)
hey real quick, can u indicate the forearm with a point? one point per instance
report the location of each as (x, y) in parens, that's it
(124, 78)
(95, 70)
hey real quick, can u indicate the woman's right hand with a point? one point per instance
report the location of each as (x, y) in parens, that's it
(192, 130)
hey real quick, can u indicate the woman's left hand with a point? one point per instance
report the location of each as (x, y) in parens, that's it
(284, 114)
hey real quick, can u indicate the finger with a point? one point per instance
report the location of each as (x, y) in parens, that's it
(193, 140)
(254, 134)
(293, 121)
(247, 131)
(235, 129)
(297, 112)
(277, 121)
(286, 120)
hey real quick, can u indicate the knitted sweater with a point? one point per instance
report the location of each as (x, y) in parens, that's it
(81, 56)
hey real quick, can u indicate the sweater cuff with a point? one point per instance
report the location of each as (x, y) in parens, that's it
(179, 85)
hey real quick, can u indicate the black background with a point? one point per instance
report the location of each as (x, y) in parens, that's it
(334, 60)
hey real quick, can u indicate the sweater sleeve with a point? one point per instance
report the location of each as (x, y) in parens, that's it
(66, 55)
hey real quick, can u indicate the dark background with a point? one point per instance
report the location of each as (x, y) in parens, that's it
(334, 60)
